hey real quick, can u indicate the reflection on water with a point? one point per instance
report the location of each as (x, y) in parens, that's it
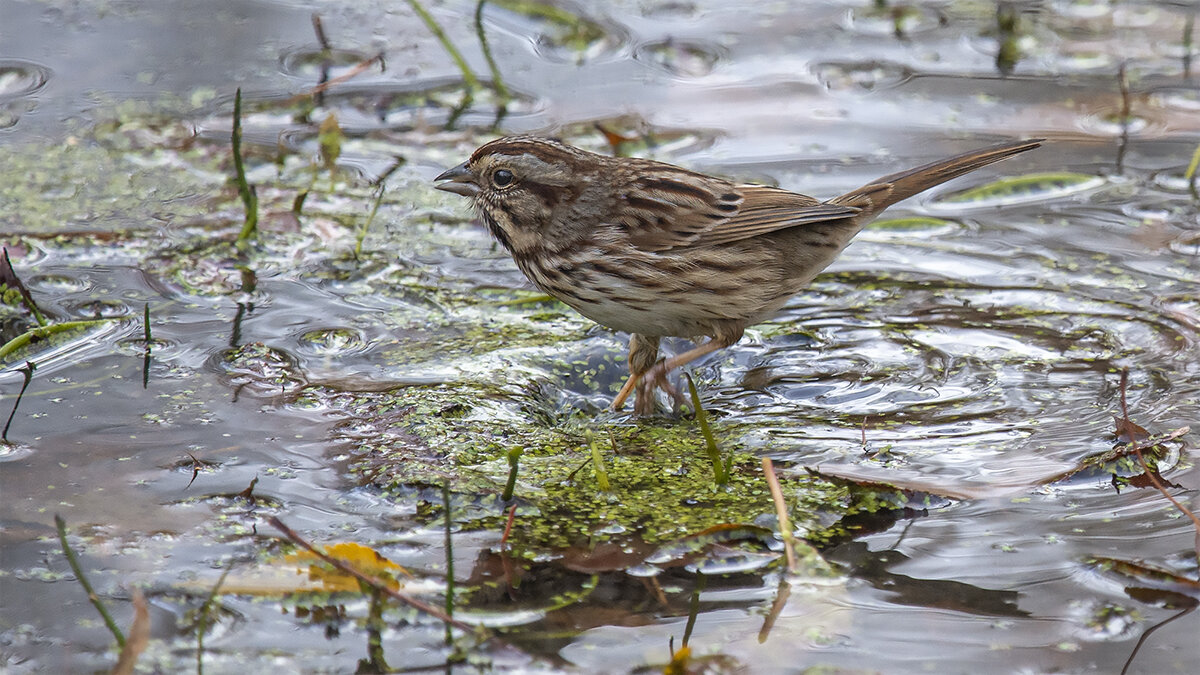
(967, 346)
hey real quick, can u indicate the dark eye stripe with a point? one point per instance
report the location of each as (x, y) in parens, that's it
(550, 195)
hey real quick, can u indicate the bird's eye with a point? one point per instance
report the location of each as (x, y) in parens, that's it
(502, 178)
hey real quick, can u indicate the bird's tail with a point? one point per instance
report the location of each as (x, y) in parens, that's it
(883, 192)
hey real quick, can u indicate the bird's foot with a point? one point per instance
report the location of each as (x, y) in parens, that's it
(655, 378)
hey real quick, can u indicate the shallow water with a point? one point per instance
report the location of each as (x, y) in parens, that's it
(975, 345)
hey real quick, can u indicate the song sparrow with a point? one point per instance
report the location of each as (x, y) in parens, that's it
(655, 250)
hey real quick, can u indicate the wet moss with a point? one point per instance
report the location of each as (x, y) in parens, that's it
(1015, 189)
(661, 483)
(910, 224)
(82, 185)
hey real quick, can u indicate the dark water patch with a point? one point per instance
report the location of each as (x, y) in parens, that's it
(632, 135)
(259, 370)
(1109, 121)
(897, 21)
(58, 284)
(1160, 210)
(99, 309)
(200, 276)
(1173, 180)
(252, 501)
(560, 31)
(309, 64)
(1084, 59)
(1082, 9)
(681, 58)
(137, 346)
(389, 107)
(861, 75)
(331, 342)
(720, 550)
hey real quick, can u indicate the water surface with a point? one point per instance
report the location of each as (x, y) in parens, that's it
(974, 341)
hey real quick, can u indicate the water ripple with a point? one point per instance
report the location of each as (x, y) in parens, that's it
(19, 78)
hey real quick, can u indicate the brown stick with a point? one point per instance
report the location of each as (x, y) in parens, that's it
(512, 515)
(377, 584)
(1137, 446)
(348, 75)
(1137, 450)
(785, 523)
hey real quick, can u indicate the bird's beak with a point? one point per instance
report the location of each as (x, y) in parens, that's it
(462, 181)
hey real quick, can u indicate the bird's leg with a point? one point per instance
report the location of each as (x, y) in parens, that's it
(645, 403)
(646, 375)
(643, 352)
(657, 376)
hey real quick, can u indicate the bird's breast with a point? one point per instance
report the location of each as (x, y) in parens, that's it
(653, 294)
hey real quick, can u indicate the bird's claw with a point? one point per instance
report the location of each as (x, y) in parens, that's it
(655, 378)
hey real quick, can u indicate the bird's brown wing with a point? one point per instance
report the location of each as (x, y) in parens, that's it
(767, 209)
(667, 207)
(670, 208)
